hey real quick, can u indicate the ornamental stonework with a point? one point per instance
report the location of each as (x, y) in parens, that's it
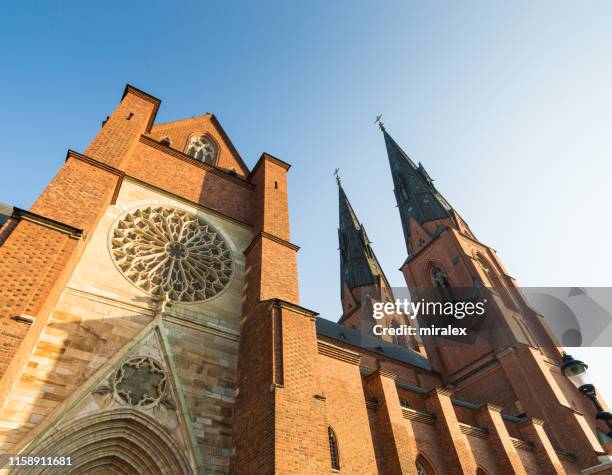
(171, 252)
(140, 381)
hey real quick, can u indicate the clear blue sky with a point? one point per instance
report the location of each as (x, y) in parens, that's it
(507, 104)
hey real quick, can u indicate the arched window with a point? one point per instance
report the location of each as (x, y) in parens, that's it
(420, 469)
(438, 278)
(439, 281)
(423, 467)
(399, 339)
(203, 149)
(334, 455)
(495, 281)
(166, 141)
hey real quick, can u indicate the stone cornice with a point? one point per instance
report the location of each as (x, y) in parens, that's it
(23, 215)
(271, 237)
(151, 142)
(338, 353)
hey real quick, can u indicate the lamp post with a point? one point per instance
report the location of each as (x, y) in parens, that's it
(576, 372)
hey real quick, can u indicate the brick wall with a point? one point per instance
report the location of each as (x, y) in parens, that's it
(191, 180)
(181, 131)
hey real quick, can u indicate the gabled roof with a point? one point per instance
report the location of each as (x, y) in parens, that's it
(190, 125)
(415, 192)
(355, 338)
(358, 263)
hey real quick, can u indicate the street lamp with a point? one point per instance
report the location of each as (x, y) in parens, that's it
(576, 372)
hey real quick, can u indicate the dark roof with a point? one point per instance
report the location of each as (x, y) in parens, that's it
(358, 263)
(355, 338)
(5, 212)
(415, 193)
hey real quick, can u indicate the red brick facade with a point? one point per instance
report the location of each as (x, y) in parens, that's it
(452, 413)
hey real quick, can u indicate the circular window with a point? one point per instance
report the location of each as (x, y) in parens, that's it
(171, 252)
(140, 381)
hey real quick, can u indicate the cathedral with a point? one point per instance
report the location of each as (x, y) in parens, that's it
(150, 323)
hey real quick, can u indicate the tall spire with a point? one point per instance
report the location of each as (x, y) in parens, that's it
(358, 264)
(415, 192)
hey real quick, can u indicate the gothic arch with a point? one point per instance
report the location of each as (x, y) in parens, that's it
(114, 442)
(424, 466)
(490, 270)
(204, 137)
(437, 279)
(427, 270)
(400, 340)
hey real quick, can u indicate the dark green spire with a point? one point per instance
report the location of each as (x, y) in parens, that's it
(415, 192)
(358, 264)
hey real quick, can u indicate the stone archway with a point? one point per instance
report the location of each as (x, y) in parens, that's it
(122, 442)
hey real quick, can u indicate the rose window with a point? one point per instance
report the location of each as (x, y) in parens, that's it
(140, 381)
(171, 252)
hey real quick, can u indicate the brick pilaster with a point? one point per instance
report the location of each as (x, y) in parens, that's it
(396, 437)
(532, 431)
(541, 397)
(489, 417)
(44, 244)
(457, 452)
(121, 131)
(279, 418)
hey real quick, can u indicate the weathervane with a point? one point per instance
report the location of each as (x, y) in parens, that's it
(338, 180)
(380, 122)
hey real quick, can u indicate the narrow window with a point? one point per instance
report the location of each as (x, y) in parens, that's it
(333, 449)
(440, 282)
(438, 278)
(399, 340)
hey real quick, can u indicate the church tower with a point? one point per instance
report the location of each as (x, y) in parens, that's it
(514, 360)
(362, 280)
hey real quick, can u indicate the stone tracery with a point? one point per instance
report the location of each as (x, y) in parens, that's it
(171, 252)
